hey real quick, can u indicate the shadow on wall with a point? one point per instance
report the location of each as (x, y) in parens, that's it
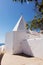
(26, 49)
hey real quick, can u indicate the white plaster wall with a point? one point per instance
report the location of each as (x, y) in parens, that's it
(17, 38)
(9, 42)
(13, 41)
(26, 49)
(17, 42)
(33, 47)
(36, 46)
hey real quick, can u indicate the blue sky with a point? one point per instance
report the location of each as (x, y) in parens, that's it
(10, 12)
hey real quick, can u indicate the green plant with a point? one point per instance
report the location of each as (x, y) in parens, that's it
(27, 26)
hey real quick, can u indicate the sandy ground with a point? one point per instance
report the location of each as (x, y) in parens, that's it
(9, 59)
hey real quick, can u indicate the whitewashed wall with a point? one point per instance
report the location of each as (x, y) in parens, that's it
(9, 42)
(13, 41)
(17, 38)
(36, 46)
(17, 42)
(26, 49)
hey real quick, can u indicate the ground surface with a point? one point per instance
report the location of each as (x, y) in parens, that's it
(9, 59)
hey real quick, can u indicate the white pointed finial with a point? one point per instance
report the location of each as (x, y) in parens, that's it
(20, 26)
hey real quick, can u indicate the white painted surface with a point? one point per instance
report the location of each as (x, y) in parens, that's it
(26, 49)
(17, 38)
(13, 42)
(19, 41)
(16, 42)
(9, 42)
(20, 26)
(36, 46)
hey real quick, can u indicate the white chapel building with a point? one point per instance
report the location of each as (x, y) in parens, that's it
(19, 41)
